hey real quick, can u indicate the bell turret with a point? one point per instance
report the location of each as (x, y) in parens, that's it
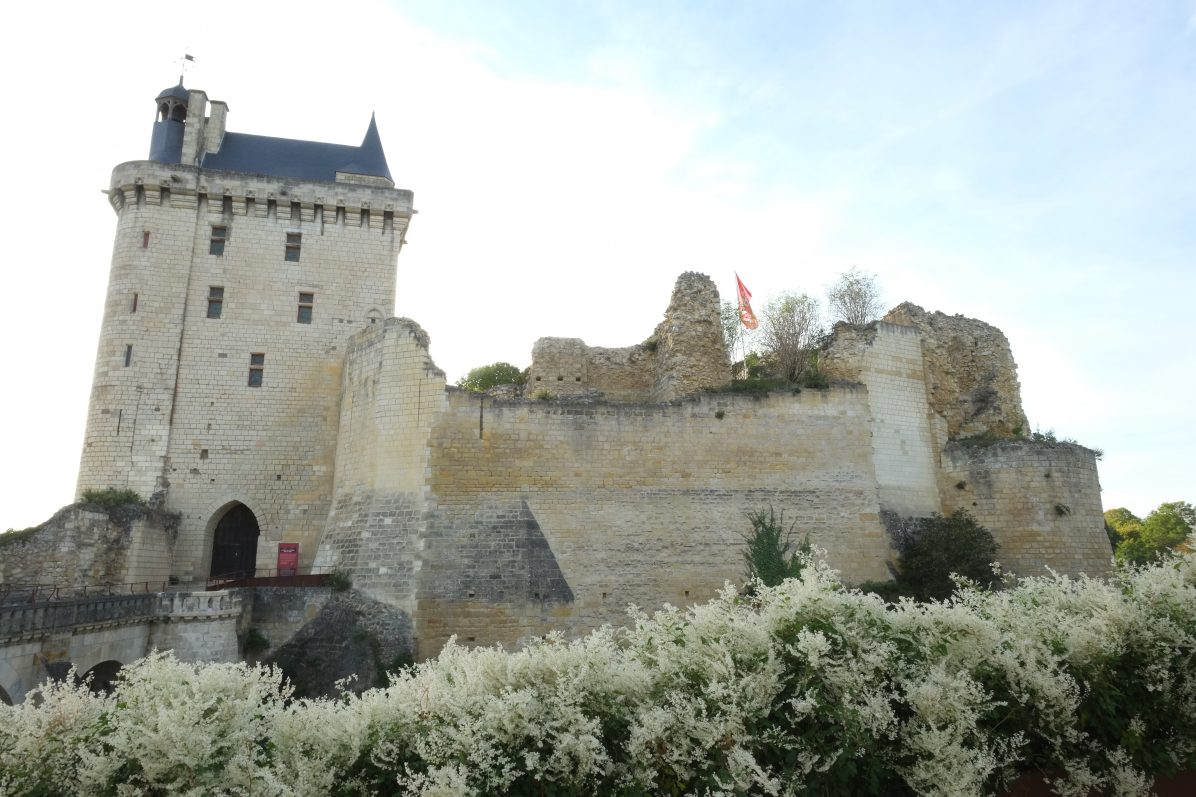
(166, 144)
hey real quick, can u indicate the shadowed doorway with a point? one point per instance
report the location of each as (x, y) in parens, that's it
(234, 544)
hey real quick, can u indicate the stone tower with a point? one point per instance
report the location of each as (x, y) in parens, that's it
(240, 267)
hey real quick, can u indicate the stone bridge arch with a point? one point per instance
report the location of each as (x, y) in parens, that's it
(103, 676)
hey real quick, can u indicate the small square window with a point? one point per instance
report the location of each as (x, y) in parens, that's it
(257, 364)
(294, 241)
(219, 236)
(215, 301)
(306, 301)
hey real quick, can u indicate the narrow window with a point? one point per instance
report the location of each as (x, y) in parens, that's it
(133, 305)
(306, 300)
(257, 364)
(128, 354)
(145, 240)
(294, 240)
(215, 301)
(219, 236)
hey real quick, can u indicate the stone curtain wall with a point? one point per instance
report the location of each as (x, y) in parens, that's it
(1040, 500)
(559, 515)
(683, 356)
(83, 545)
(971, 377)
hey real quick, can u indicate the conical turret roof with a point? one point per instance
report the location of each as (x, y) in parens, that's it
(370, 158)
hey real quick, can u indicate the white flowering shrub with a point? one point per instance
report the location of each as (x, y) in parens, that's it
(803, 687)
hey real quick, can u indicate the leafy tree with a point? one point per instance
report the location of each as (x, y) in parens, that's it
(1163, 532)
(854, 298)
(933, 548)
(735, 335)
(790, 329)
(484, 377)
(772, 555)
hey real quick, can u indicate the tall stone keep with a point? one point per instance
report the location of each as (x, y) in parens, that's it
(241, 266)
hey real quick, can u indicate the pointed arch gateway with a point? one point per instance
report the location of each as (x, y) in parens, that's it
(234, 543)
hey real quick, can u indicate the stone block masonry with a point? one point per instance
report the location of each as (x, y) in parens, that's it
(560, 515)
(1041, 501)
(211, 270)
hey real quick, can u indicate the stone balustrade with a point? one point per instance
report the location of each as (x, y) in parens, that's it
(35, 620)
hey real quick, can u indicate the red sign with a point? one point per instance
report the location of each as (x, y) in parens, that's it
(288, 558)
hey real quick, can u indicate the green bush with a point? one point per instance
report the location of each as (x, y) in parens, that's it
(111, 497)
(16, 535)
(932, 549)
(807, 687)
(771, 555)
(340, 581)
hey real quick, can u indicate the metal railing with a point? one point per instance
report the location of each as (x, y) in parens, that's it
(37, 593)
(272, 577)
(262, 577)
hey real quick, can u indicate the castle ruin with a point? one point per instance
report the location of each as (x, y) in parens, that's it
(251, 380)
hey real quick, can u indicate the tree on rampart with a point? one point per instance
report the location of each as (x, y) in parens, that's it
(484, 377)
(854, 298)
(790, 329)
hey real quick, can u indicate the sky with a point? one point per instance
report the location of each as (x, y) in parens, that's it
(1030, 164)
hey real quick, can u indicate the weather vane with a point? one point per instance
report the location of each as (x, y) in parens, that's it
(183, 65)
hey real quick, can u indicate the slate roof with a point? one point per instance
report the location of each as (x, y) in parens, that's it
(304, 160)
(178, 92)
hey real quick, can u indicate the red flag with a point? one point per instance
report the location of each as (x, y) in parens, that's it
(745, 305)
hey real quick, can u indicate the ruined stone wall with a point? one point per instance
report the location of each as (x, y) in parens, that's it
(391, 394)
(558, 515)
(1041, 501)
(684, 355)
(971, 377)
(84, 545)
(692, 352)
(567, 368)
